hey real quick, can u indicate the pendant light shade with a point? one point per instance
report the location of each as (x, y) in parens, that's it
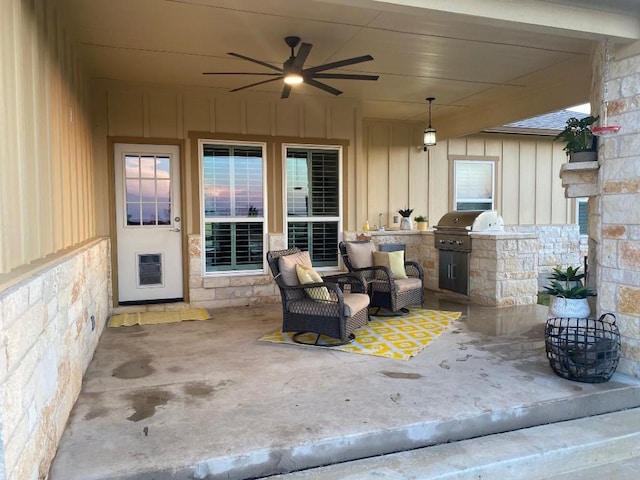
(429, 138)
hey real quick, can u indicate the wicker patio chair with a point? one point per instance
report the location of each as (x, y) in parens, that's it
(344, 309)
(386, 291)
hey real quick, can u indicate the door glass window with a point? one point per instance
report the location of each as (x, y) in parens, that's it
(233, 206)
(474, 185)
(313, 202)
(147, 190)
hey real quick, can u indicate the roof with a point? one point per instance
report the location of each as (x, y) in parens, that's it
(550, 121)
(547, 124)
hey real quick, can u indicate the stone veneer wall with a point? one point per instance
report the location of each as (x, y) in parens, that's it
(48, 338)
(614, 216)
(230, 290)
(533, 251)
(503, 270)
(558, 246)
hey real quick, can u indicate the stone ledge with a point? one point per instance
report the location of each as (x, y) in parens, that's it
(580, 179)
(379, 233)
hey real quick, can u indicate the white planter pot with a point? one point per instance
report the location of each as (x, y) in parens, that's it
(406, 223)
(569, 307)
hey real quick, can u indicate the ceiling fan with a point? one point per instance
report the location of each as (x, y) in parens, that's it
(292, 71)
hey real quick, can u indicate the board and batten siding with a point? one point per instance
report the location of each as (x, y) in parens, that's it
(54, 276)
(46, 169)
(152, 113)
(400, 174)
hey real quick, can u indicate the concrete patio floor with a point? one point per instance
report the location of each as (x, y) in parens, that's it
(207, 400)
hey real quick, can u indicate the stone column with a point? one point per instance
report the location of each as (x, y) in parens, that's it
(614, 221)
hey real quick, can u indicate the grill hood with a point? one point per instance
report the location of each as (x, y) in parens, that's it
(471, 220)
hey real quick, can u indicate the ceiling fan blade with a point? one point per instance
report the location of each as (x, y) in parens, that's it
(301, 57)
(322, 86)
(346, 76)
(339, 63)
(259, 62)
(257, 83)
(286, 91)
(241, 73)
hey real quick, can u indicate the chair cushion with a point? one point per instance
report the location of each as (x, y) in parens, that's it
(406, 284)
(393, 260)
(360, 254)
(287, 265)
(354, 302)
(307, 275)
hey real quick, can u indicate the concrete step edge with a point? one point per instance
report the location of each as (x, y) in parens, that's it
(528, 454)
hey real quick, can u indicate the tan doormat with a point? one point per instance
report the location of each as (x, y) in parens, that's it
(399, 337)
(150, 318)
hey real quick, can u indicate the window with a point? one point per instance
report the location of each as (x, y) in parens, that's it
(474, 184)
(313, 202)
(233, 206)
(583, 215)
(148, 190)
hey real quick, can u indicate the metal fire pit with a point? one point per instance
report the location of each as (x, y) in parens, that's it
(453, 240)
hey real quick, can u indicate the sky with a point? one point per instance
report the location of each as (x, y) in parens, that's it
(584, 108)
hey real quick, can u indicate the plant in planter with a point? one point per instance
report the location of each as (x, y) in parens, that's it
(405, 223)
(570, 276)
(569, 294)
(580, 142)
(421, 222)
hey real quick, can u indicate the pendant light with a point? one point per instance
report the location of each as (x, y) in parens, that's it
(429, 138)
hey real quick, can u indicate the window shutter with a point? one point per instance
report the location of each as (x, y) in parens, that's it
(583, 216)
(324, 183)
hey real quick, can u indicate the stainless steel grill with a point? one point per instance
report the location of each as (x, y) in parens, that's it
(453, 240)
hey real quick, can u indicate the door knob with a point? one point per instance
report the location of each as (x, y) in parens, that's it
(174, 229)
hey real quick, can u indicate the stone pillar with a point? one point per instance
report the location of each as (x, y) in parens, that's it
(614, 222)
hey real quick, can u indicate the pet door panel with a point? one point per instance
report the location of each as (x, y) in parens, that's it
(149, 269)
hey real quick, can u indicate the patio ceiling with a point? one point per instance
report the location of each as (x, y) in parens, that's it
(487, 63)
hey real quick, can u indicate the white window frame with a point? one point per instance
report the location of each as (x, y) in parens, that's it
(585, 201)
(203, 219)
(338, 219)
(473, 160)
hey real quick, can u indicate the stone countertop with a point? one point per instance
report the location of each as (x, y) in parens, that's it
(502, 235)
(506, 235)
(399, 232)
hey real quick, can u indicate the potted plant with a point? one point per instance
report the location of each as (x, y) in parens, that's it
(580, 142)
(570, 276)
(421, 222)
(569, 294)
(405, 223)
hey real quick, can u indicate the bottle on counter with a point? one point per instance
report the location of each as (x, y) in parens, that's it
(366, 226)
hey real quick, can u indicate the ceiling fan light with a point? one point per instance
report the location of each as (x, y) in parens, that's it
(293, 79)
(429, 138)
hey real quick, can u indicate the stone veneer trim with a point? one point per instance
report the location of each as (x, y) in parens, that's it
(48, 338)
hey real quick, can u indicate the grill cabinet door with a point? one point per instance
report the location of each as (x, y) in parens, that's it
(454, 271)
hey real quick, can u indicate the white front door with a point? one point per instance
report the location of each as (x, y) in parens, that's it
(148, 222)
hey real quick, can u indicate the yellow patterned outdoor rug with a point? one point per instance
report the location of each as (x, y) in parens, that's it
(399, 337)
(150, 318)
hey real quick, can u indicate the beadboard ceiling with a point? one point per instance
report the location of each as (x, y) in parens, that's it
(493, 60)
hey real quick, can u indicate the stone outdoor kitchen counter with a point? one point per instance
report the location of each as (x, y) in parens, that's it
(503, 267)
